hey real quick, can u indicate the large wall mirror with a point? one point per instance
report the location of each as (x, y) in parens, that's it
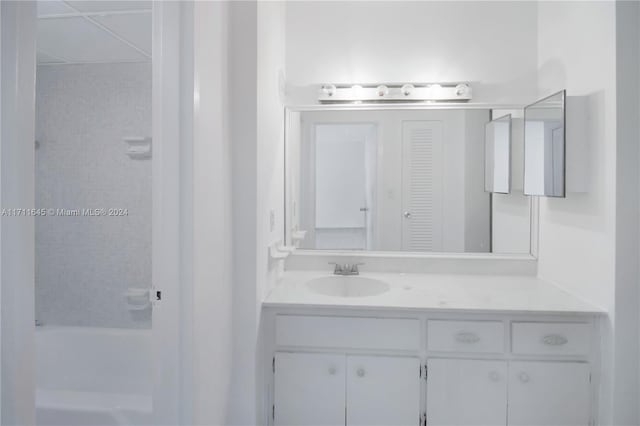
(396, 179)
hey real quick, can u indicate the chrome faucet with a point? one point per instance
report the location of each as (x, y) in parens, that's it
(346, 268)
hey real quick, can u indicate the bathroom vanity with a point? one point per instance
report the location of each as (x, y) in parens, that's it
(438, 188)
(434, 349)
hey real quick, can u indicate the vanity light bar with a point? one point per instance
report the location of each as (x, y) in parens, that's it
(416, 92)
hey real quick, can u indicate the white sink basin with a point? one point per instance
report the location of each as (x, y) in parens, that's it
(347, 286)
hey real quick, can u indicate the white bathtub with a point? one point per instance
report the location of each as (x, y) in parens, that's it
(93, 376)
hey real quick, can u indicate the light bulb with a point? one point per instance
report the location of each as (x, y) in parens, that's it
(329, 89)
(357, 90)
(407, 89)
(462, 89)
(382, 90)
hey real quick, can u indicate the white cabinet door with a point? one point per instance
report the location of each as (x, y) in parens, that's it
(466, 392)
(309, 389)
(383, 390)
(549, 393)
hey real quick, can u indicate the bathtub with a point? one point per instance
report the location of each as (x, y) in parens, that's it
(93, 376)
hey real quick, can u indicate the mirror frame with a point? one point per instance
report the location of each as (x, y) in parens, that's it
(533, 201)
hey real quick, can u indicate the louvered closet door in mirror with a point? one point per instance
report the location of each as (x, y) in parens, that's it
(422, 158)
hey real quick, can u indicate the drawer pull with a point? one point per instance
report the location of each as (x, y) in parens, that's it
(524, 377)
(467, 337)
(554, 340)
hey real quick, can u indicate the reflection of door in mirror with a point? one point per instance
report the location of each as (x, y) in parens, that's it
(388, 179)
(557, 161)
(534, 155)
(422, 160)
(345, 167)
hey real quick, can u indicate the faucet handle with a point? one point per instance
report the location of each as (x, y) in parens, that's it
(338, 268)
(354, 268)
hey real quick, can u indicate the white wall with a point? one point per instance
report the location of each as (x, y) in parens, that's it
(213, 287)
(490, 44)
(270, 154)
(577, 51)
(256, 114)
(579, 231)
(17, 68)
(83, 112)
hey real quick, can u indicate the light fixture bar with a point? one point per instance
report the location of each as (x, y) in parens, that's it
(410, 92)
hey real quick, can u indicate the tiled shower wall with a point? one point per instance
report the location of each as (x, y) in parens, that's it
(84, 264)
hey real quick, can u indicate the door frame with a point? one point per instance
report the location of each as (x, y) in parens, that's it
(166, 247)
(166, 328)
(17, 239)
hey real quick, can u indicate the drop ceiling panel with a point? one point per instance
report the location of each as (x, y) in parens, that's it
(53, 7)
(78, 40)
(109, 6)
(133, 27)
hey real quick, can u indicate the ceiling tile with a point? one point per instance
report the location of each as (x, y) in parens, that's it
(53, 7)
(78, 40)
(109, 6)
(134, 27)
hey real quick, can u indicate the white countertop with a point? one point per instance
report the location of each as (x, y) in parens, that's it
(443, 292)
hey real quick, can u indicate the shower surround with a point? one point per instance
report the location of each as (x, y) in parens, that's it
(85, 264)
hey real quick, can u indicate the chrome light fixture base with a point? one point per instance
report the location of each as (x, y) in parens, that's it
(395, 92)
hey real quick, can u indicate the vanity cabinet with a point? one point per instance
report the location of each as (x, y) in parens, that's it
(447, 369)
(549, 393)
(467, 392)
(310, 389)
(383, 390)
(338, 389)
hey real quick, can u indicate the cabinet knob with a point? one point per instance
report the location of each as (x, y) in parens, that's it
(332, 371)
(524, 377)
(494, 376)
(360, 372)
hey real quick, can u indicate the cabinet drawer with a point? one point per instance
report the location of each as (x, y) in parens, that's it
(348, 332)
(465, 336)
(537, 338)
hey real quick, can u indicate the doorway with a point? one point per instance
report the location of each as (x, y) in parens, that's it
(106, 270)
